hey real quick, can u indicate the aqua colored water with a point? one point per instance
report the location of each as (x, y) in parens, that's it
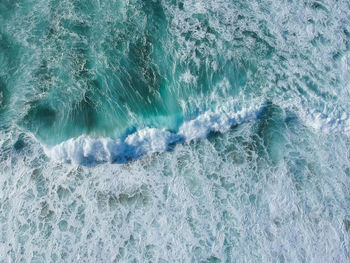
(174, 131)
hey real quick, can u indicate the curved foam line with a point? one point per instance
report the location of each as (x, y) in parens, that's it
(89, 151)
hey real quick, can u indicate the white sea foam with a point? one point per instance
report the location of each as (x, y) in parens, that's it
(197, 203)
(89, 151)
(216, 122)
(332, 122)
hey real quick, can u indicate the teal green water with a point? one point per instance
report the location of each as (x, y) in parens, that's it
(107, 68)
(174, 131)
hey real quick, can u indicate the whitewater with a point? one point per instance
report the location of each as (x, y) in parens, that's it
(174, 131)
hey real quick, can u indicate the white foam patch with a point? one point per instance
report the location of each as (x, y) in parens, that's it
(89, 151)
(334, 122)
(216, 122)
(188, 78)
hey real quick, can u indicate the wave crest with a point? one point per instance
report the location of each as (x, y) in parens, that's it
(89, 151)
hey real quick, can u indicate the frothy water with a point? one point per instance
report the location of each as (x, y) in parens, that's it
(88, 151)
(174, 131)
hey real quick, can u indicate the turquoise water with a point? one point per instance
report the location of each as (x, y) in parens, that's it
(174, 131)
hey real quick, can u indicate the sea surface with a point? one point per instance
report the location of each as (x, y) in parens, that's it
(174, 131)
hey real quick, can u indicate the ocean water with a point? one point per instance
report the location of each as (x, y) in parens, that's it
(174, 131)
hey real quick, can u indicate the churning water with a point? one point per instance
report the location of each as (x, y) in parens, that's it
(174, 131)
